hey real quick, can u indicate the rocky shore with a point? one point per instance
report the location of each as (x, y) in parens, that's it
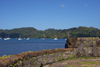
(34, 59)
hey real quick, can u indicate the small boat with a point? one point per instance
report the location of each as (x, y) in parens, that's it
(8, 38)
(42, 38)
(27, 38)
(19, 38)
(55, 38)
(5, 39)
(0, 38)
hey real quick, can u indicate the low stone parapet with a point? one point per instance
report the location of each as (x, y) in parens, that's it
(85, 41)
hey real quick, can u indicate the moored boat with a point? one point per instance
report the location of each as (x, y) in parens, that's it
(55, 38)
(27, 38)
(19, 38)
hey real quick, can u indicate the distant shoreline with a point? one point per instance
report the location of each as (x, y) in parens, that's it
(30, 32)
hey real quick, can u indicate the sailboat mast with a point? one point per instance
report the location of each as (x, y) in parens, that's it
(68, 34)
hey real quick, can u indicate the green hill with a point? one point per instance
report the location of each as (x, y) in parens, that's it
(50, 33)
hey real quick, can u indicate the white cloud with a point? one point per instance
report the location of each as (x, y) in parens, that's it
(85, 5)
(62, 5)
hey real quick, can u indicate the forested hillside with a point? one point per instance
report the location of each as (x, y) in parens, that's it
(30, 32)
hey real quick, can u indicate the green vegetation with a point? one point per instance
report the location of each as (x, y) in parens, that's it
(67, 65)
(50, 33)
(4, 56)
(84, 64)
(86, 57)
(49, 66)
(89, 62)
(11, 65)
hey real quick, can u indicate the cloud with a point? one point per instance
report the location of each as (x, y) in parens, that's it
(85, 5)
(62, 5)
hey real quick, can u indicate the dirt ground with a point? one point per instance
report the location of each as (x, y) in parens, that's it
(91, 62)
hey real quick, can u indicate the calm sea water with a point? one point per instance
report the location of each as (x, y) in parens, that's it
(15, 46)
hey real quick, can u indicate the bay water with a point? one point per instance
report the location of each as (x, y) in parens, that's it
(15, 46)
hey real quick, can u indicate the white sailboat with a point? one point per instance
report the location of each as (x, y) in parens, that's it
(67, 35)
(27, 38)
(5, 39)
(55, 38)
(8, 37)
(43, 38)
(20, 38)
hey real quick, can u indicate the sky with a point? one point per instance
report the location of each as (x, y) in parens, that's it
(45, 14)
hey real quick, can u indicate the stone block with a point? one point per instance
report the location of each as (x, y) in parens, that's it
(71, 43)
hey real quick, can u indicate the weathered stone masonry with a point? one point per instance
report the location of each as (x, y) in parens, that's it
(85, 41)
